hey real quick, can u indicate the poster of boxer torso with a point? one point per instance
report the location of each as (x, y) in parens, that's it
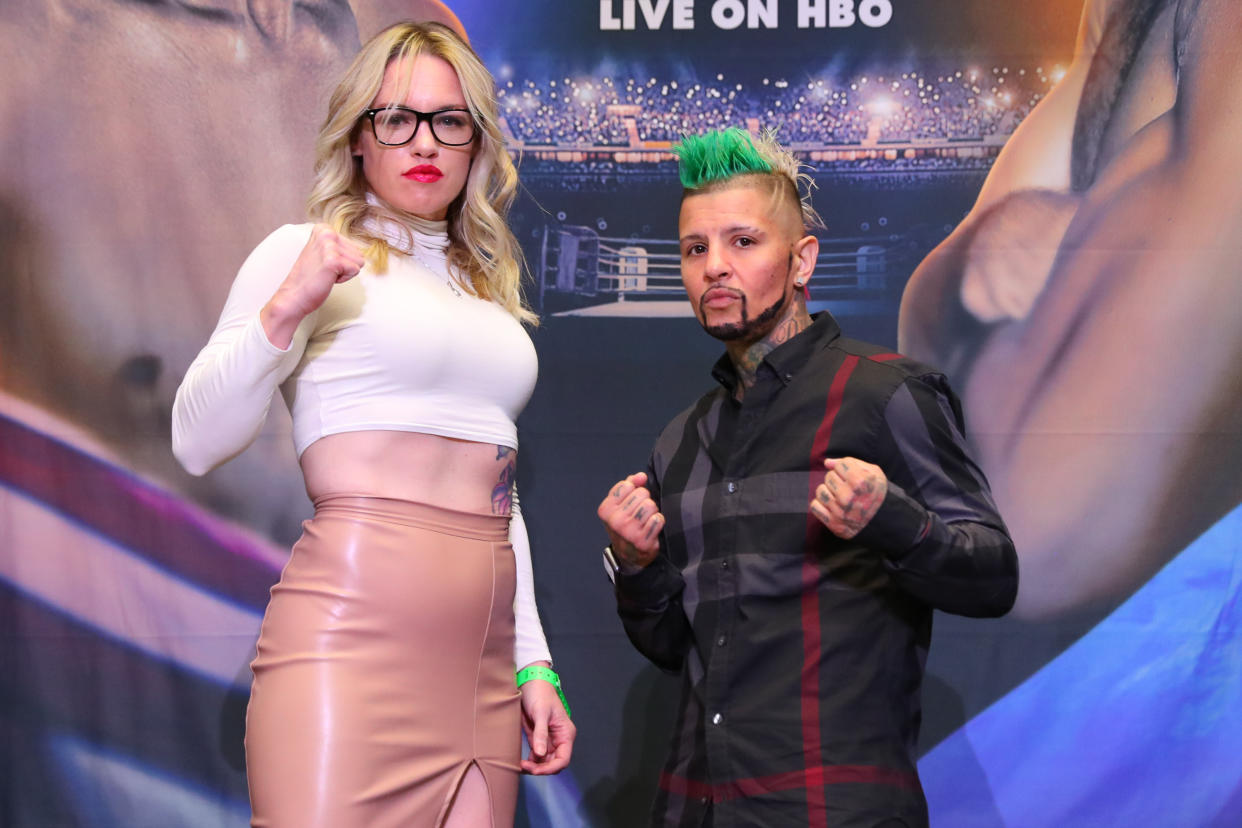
(1037, 199)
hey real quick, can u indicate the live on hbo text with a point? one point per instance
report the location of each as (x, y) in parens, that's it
(624, 15)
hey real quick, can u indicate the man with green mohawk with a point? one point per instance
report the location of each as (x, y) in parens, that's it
(795, 528)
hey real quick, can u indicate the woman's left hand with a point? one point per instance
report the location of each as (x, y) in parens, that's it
(548, 729)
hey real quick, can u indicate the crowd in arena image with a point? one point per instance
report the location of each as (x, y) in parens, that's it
(966, 104)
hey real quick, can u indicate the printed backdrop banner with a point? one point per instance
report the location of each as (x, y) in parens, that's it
(1040, 199)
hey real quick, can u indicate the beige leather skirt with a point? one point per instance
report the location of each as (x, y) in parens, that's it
(385, 669)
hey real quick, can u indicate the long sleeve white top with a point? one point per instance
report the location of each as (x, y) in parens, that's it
(404, 350)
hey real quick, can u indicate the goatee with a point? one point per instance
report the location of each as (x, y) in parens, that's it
(746, 328)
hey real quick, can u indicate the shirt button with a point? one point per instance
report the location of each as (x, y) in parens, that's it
(731, 486)
(724, 564)
(717, 718)
(720, 642)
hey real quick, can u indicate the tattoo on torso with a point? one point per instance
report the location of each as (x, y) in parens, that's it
(502, 492)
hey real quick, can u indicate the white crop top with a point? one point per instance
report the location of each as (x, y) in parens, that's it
(404, 350)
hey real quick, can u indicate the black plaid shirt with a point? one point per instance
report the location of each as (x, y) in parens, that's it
(803, 654)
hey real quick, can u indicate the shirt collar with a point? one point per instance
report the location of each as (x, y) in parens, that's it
(786, 359)
(408, 232)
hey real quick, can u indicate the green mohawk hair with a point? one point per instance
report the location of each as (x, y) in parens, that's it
(716, 156)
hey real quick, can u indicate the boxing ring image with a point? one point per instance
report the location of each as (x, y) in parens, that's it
(580, 272)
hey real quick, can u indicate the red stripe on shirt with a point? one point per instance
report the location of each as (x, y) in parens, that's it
(813, 778)
(812, 745)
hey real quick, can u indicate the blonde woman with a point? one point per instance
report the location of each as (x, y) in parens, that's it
(384, 686)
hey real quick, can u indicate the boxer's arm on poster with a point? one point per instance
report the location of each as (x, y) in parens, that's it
(648, 586)
(1123, 386)
(1037, 155)
(933, 314)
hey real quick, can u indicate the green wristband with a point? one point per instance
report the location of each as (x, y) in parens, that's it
(538, 671)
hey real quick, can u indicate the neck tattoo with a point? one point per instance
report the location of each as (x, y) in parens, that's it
(747, 362)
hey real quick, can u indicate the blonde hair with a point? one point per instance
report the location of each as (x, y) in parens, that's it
(482, 249)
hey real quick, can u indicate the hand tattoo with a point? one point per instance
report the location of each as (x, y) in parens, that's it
(627, 553)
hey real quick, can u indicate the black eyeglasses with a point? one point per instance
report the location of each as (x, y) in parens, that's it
(395, 126)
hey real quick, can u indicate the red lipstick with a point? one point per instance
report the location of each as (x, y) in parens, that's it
(423, 173)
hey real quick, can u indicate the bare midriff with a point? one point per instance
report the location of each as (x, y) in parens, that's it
(406, 465)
